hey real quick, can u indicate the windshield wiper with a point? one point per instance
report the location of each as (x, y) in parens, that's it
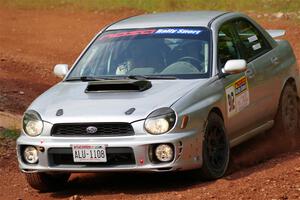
(160, 77)
(84, 78)
(137, 77)
(134, 77)
(145, 77)
(91, 78)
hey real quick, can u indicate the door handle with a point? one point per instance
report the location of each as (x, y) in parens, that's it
(249, 72)
(275, 60)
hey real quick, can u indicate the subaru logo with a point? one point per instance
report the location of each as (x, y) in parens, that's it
(91, 129)
(59, 112)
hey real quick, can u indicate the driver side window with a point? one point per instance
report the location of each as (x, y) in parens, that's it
(227, 49)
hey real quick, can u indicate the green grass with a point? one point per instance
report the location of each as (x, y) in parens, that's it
(8, 133)
(161, 5)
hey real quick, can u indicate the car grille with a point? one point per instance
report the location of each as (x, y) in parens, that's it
(115, 156)
(103, 129)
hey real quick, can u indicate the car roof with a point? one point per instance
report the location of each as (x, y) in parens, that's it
(170, 19)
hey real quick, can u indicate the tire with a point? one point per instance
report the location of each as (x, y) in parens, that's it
(287, 115)
(45, 182)
(215, 149)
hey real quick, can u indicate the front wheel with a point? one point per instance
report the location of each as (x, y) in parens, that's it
(47, 182)
(215, 150)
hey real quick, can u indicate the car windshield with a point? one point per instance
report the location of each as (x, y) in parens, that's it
(156, 52)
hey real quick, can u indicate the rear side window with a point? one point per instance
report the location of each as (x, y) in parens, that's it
(252, 41)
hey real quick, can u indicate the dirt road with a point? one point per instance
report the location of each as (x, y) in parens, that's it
(32, 41)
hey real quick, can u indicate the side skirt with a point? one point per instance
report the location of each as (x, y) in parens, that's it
(251, 133)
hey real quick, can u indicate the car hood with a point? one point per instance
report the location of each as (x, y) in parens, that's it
(79, 106)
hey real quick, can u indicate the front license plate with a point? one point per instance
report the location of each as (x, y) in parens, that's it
(89, 153)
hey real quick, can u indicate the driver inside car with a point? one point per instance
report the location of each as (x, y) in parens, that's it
(192, 52)
(134, 59)
(142, 57)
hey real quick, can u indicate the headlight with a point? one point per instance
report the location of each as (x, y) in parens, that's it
(160, 121)
(32, 123)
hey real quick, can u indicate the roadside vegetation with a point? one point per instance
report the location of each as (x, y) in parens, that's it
(8, 134)
(262, 6)
(7, 144)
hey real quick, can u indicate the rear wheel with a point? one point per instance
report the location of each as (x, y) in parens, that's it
(215, 150)
(47, 182)
(287, 115)
(287, 120)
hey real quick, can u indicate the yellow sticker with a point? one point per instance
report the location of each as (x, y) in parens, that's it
(237, 96)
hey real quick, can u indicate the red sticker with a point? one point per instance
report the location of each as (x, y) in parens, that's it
(128, 33)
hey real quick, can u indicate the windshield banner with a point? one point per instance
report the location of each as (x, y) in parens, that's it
(179, 31)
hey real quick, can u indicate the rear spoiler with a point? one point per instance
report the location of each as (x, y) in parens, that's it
(276, 33)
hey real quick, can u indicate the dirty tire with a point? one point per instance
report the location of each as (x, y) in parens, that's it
(287, 122)
(215, 150)
(47, 182)
(287, 115)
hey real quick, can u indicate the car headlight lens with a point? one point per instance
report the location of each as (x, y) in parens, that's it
(32, 123)
(160, 121)
(31, 155)
(164, 153)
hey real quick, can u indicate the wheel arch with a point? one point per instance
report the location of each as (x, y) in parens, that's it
(217, 111)
(288, 80)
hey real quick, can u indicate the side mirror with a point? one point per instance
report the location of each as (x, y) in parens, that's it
(235, 66)
(60, 70)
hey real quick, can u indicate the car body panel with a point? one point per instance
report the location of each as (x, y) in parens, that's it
(108, 106)
(188, 159)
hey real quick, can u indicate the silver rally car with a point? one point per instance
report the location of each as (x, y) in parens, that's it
(161, 92)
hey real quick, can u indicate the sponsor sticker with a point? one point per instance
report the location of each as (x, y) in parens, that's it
(178, 31)
(128, 33)
(256, 46)
(252, 38)
(237, 96)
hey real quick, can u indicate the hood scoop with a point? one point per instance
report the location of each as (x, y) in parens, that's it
(118, 86)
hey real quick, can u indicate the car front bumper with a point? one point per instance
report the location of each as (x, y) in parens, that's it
(187, 152)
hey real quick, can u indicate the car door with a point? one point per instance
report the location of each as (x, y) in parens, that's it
(237, 87)
(260, 60)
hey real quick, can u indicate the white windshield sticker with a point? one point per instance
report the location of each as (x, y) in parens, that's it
(252, 38)
(256, 46)
(178, 31)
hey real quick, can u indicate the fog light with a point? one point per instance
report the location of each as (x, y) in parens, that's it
(31, 155)
(164, 153)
